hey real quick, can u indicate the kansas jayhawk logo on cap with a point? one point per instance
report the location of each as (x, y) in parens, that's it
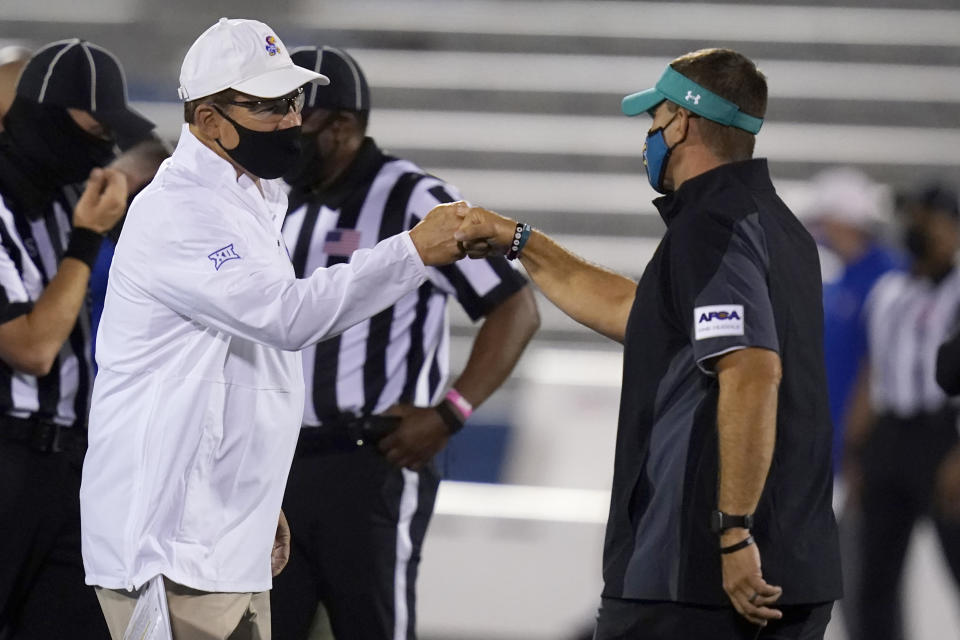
(271, 47)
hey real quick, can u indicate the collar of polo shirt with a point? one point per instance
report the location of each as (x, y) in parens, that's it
(681, 90)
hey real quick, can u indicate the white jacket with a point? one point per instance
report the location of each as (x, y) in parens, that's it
(199, 397)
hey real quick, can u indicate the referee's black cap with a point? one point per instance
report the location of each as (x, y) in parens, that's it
(348, 87)
(76, 74)
(933, 196)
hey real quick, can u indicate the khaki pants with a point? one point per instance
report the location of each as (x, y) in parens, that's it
(195, 615)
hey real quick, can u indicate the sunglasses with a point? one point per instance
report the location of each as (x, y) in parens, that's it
(273, 106)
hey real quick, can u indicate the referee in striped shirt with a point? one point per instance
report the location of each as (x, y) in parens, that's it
(68, 115)
(362, 487)
(895, 449)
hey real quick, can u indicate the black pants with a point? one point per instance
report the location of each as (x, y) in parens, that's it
(647, 620)
(900, 462)
(42, 592)
(357, 525)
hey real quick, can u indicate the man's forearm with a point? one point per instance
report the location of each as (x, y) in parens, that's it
(747, 427)
(500, 341)
(140, 162)
(591, 295)
(31, 342)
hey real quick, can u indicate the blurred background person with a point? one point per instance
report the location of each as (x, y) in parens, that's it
(60, 128)
(364, 480)
(895, 447)
(847, 213)
(948, 475)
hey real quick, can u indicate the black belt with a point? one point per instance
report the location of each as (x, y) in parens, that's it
(345, 431)
(43, 435)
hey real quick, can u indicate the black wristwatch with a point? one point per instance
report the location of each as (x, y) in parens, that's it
(720, 521)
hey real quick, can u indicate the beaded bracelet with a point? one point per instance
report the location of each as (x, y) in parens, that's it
(520, 237)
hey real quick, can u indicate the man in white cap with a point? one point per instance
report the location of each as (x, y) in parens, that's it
(197, 406)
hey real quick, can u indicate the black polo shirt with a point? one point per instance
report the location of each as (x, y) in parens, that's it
(735, 269)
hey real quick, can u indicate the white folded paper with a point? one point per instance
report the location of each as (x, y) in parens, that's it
(151, 618)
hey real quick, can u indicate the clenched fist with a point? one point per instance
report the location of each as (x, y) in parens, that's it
(433, 237)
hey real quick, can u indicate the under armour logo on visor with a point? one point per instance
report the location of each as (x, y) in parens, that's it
(695, 99)
(223, 255)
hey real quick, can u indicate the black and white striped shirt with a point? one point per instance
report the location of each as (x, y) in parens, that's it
(401, 354)
(30, 254)
(908, 318)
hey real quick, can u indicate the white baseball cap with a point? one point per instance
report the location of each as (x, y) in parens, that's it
(245, 55)
(847, 195)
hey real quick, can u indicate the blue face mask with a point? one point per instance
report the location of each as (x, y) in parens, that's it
(656, 154)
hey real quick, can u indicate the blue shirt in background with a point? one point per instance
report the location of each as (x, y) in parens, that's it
(845, 332)
(98, 291)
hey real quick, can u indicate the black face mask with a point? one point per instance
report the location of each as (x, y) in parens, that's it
(309, 168)
(916, 241)
(265, 154)
(48, 138)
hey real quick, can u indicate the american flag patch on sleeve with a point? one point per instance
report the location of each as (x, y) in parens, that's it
(341, 242)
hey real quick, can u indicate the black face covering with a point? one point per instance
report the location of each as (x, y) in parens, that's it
(50, 142)
(265, 154)
(309, 168)
(916, 241)
(307, 171)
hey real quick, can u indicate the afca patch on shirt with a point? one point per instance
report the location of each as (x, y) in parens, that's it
(718, 320)
(222, 255)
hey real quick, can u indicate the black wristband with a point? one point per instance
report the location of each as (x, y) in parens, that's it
(743, 544)
(84, 245)
(720, 521)
(450, 417)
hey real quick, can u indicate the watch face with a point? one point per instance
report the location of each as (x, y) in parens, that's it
(720, 521)
(716, 522)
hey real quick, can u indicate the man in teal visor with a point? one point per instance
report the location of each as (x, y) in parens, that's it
(729, 133)
(723, 445)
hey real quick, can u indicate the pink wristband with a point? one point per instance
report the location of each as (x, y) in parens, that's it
(462, 404)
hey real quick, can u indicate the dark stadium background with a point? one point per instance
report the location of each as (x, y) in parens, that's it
(517, 103)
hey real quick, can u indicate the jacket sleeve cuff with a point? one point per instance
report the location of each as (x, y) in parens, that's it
(411, 249)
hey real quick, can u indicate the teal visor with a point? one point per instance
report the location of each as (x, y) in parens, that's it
(681, 90)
